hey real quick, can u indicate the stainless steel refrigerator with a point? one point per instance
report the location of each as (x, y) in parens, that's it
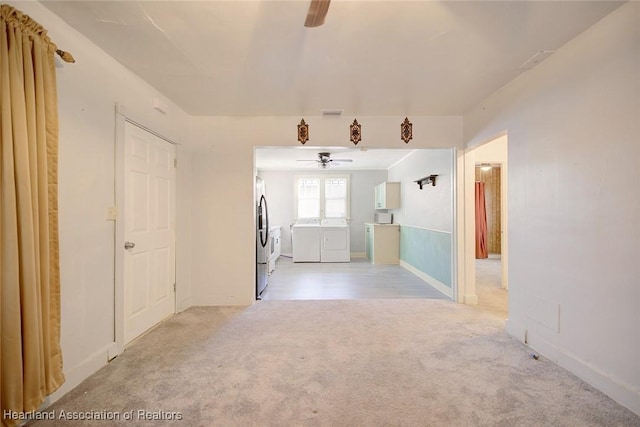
(262, 238)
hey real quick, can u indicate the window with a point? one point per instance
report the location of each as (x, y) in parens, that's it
(335, 197)
(308, 191)
(322, 196)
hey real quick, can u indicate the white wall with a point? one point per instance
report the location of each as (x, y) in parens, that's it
(494, 151)
(281, 199)
(574, 205)
(223, 182)
(87, 93)
(363, 202)
(432, 206)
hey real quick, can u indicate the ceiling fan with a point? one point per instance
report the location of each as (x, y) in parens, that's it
(325, 160)
(317, 12)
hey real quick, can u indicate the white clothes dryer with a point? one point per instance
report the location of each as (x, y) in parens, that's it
(335, 241)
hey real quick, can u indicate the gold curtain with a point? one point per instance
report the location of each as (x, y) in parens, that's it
(30, 356)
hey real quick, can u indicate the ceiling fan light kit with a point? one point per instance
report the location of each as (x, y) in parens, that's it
(325, 160)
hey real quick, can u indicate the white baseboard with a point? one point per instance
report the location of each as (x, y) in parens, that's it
(621, 392)
(470, 299)
(447, 291)
(78, 374)
(516, 330)
(183, 304)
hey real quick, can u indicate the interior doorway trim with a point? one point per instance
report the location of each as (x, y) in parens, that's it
(456, 158)
(466, 219)
(121, 121)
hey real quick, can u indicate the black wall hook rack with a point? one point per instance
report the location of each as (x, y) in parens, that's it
(431, 179)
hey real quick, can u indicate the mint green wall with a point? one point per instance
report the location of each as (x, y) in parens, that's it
(427, 250)
(426, 216)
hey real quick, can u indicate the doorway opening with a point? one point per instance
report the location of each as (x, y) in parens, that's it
(422, 265)
(489, 210)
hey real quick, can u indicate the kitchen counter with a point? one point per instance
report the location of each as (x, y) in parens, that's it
(382, 243)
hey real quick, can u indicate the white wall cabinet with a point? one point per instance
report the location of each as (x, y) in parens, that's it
(388, 195)
(382, 243)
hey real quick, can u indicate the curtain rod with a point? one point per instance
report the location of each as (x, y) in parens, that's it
(66, 56)
(11, 14)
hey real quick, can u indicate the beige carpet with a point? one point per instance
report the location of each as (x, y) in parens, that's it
(339, 363)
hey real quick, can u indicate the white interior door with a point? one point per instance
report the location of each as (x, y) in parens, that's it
(149, 231)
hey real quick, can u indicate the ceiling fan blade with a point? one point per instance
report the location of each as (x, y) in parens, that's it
(342, 160)
(317, 12)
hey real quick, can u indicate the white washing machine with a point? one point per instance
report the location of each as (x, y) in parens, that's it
(305, 239)
(335, 243)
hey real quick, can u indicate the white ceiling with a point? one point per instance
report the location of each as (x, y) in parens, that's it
(371, 58)
(363, 159)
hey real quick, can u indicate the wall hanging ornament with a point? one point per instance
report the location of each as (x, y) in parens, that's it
(303, 132)
(406, 130)
(356, 132)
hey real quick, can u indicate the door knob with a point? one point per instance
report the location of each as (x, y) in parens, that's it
(129, 245)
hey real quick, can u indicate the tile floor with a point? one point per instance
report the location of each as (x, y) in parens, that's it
(360, 279)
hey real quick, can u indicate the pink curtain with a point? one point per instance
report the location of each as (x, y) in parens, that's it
(481, 222)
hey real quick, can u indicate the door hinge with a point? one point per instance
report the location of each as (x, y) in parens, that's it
(175, 162)
(174, 287)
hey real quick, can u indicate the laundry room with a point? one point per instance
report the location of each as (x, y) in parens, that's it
(324, 205)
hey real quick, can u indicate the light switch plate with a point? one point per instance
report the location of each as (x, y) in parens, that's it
(112, 213)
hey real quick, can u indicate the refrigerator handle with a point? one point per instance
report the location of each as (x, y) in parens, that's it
(263, 207)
